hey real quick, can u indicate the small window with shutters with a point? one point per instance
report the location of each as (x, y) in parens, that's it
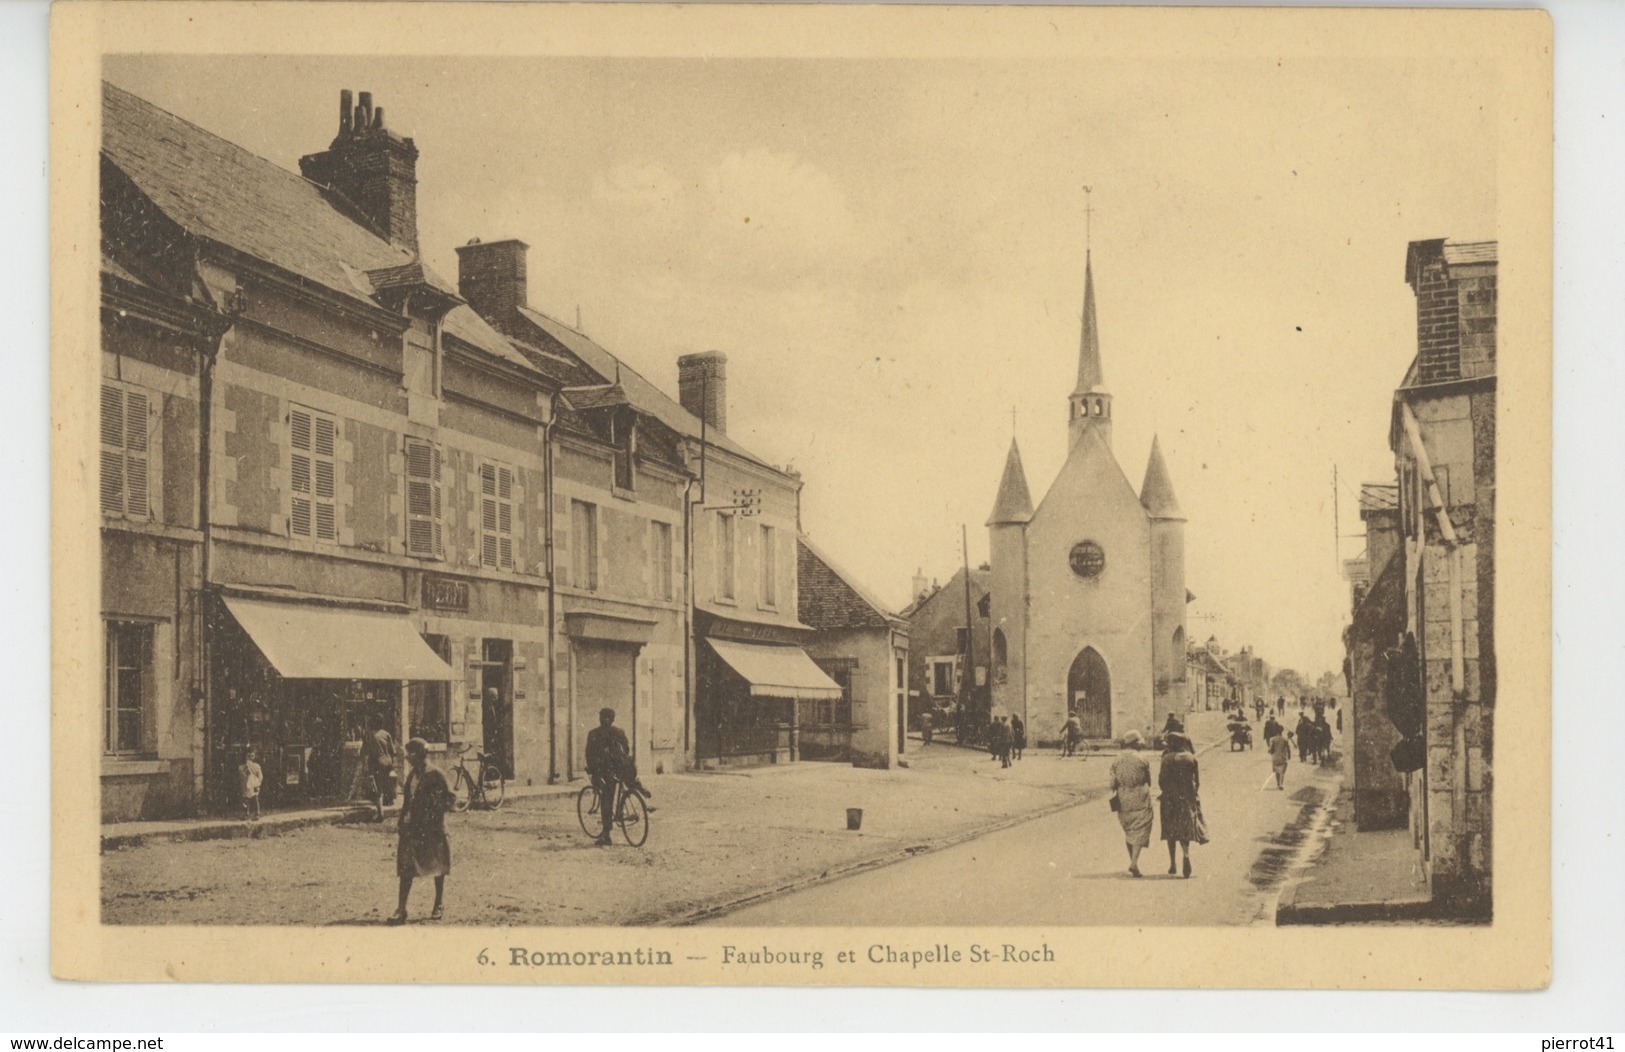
(312, 474)
(496, 516)
(425, 536)
(126, 447)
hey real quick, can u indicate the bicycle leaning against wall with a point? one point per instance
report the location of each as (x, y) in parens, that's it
(482, 787)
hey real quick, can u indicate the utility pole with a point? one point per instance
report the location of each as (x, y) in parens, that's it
(968, 662)
(1337, 527)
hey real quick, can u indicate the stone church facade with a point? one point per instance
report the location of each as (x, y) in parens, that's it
(1088, 587)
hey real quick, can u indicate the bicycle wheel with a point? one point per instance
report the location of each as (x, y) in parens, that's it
(587, 811)
(492, 786)
(632, 815)
(462, 789)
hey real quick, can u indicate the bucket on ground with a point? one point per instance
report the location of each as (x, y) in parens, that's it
(854, 818)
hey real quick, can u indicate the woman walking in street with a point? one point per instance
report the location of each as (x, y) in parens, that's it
(1018, 735)
(423, 850)
(1180, 781)
(1131, 791)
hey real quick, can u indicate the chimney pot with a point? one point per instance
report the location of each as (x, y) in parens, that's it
(366, 109)
(345, 105)
(378, 117)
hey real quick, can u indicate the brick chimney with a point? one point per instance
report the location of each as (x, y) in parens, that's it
(375, 169)
(491, 277)
(702, 387)
(1454, 282)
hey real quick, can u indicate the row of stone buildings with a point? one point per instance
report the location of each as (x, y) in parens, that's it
(337, 489)
(1421, 645)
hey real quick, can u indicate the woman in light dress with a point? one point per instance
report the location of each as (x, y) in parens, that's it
(1131, 785)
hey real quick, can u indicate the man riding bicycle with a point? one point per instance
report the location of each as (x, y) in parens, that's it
(609, 762)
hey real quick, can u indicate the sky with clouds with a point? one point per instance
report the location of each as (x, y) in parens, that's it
(891, 253)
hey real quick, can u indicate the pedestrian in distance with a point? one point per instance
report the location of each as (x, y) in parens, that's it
(1280, 749)
(249, 779)
(1272, 728)
(1131, 799)
(1180, 781)
(1323, 739)
(1305, 733)
(378, 757)
(422, 849)
(999, 739)
(1071, 735)
(925, 727)
(1018, 735)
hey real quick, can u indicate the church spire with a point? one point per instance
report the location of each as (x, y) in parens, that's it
(1014, 504)
(1091, 377)
(1157, 491)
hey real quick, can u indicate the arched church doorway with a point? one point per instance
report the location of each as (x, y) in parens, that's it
(1089, 693)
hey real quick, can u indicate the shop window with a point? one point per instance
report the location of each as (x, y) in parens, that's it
(313, 474)
(584, 545)
(770, 567)
(126, 451)
(129, 685)
(424, 532)
(725, 555)
(830, 712)
(429, 704)
(660, 560)
(496, 516)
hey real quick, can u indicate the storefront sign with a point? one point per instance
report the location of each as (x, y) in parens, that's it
(445, 593)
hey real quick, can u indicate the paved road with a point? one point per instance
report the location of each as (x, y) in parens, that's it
(1071, 868)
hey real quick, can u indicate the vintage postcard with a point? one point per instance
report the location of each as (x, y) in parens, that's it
(1021, 496)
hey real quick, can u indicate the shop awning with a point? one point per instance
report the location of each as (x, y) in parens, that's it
(316, 642)
(776, 672)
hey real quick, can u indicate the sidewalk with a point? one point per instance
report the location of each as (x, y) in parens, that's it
(1357, 877)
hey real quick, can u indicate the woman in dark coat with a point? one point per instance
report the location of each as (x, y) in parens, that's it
(1179, 781)
(423, 850)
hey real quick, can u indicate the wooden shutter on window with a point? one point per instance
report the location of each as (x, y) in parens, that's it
(125, 448)
(326, 488)
(301, 512)
(505, 517)
(488, 515)
(422, 498)
(112, 482)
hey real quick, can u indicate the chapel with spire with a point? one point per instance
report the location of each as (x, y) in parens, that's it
(1087, 591)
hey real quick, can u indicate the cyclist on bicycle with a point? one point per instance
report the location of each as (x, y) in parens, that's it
(609, 762)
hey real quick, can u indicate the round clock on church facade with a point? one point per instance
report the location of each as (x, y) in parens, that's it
(1088, 559)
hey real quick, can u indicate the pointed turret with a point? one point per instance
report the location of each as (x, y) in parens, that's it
(1090, 404)
(1157, 491)
(1014, 505)
(1091, 377)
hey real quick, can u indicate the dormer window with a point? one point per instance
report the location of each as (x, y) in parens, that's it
(623, 436)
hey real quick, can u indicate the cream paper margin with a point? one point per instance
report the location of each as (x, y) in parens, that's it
(1512, 953)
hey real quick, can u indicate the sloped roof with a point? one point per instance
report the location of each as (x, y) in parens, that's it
(1157, 491)
(217, 190)
(828, 597)
(980, 584)
(1014, 503)
(644, 395)
(1378, 496)
(473, 330)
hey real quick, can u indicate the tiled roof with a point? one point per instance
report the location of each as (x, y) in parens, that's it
(1378, 496)
(828, 598)
(600, 396)
(475, 331)
(644, 395)
(980, 585)
(219, 191)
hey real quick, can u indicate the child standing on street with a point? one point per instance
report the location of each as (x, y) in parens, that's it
(249, 780)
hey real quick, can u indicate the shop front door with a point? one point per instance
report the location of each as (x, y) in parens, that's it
(605, 677)
(496, 701)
